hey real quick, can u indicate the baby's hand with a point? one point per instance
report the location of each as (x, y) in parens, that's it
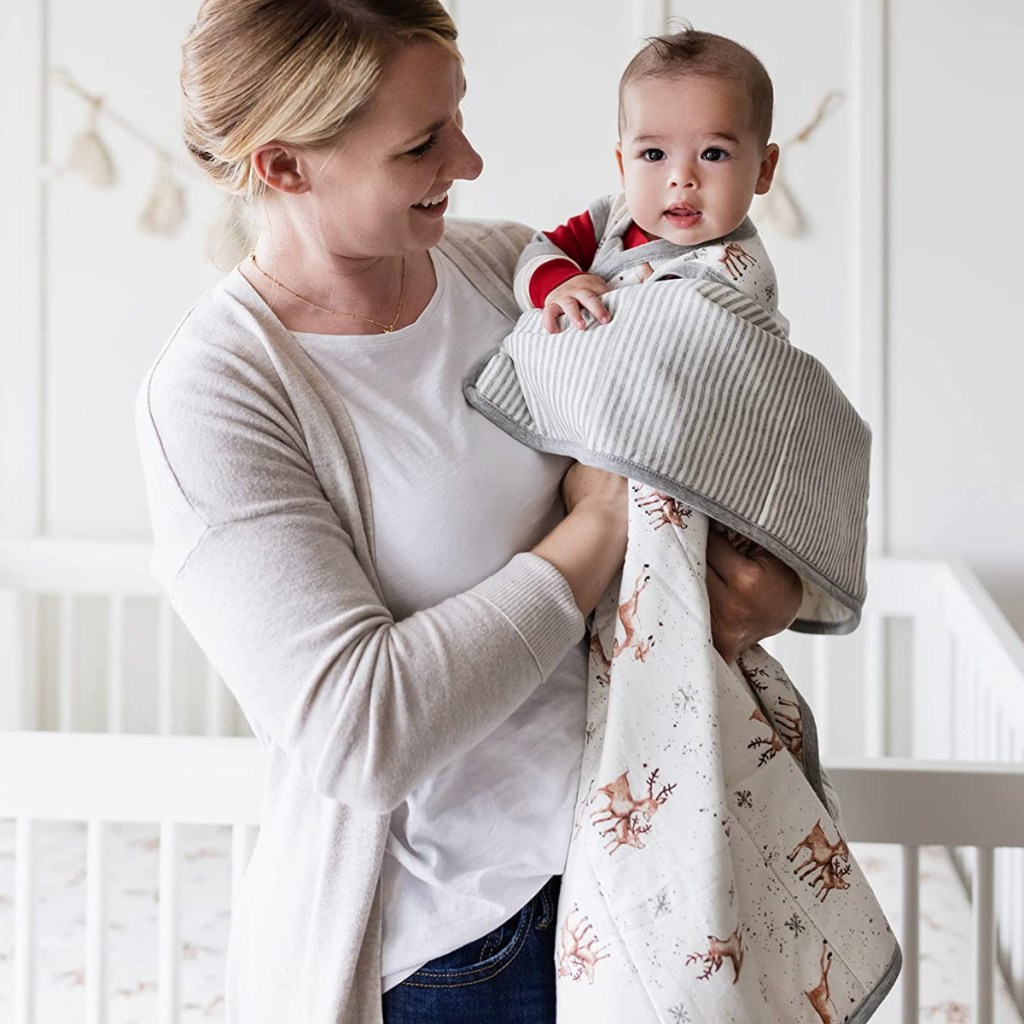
(581, 290)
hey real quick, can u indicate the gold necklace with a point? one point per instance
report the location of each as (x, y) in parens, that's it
(385, 328)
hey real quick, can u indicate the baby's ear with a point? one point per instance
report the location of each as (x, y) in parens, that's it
(618, 160)
(766, 173)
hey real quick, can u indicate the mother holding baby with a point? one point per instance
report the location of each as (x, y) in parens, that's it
(391, 586)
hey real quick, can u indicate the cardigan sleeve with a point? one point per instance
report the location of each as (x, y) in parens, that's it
(261, 569)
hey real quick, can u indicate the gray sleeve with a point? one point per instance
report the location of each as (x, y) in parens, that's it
(262, 571)
(540, 250)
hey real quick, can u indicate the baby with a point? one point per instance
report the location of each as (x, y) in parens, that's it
(695, 113)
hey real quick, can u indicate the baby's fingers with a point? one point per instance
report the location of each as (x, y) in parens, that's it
(596, 307)
(567, 305)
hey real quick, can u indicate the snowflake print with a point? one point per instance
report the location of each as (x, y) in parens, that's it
(743, 798)
(662, 905)
(590, 730)
(680, 1015)
(770, 292)
(795, 925)
(683, 698)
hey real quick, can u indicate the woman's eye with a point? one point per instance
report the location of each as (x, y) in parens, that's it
(714, 155)
(652, 155)
(424, 147)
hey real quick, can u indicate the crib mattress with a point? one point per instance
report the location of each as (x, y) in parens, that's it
(205, 873)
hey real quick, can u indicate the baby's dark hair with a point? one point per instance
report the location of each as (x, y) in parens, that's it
(703, 53)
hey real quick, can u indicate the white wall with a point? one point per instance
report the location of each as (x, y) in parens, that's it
(895, 305)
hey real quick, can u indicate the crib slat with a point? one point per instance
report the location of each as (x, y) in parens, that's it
(115, 666)
(165, 669)
(984, 934)
(875, 696)
(911, 926)
(24, 921)
(168, 987)
(932, 698)
(96, 922)
(66, 663)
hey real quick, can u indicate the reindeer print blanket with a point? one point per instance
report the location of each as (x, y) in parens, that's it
(707, 880)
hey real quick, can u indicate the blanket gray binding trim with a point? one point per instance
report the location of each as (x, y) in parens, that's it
(763, 440)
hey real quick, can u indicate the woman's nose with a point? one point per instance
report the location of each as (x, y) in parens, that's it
(466, 162)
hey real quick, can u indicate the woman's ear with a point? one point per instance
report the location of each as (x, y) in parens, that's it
(279, 168)
(767, 170)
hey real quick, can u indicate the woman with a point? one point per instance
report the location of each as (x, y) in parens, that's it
(389, 584)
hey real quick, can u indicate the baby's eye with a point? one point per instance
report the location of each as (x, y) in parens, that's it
(652, 155)
(714, 155)
(424, 147)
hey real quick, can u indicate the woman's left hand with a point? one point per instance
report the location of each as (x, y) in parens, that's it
(753, 595)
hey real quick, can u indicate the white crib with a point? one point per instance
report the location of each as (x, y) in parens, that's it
(920, 713)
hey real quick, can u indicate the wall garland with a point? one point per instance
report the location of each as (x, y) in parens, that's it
(165, 209)
(777, 209)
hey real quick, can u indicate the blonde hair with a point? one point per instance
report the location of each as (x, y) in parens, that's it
(691, 52)
(296, 71)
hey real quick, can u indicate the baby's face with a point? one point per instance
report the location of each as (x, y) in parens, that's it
(690, 161)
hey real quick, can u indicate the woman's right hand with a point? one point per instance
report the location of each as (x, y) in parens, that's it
(589, 546)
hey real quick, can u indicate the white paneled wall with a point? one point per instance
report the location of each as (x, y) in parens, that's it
(903, 192)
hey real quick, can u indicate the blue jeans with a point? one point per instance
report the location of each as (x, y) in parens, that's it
(505, 977)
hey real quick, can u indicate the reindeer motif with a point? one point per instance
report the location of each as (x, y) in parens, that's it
(717, 951)
(818, 996)
(576, 957)
(832, 877)
(736, 260)
(630, 620)
(663, 509)
(773, 744)
(790, 725)
(625, 811)
(820, 856)
(789, 734)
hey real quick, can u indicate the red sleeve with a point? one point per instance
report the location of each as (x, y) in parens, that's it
(577, 240)
(548, 276)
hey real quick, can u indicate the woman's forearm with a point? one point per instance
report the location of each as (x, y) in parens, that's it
(587, 548)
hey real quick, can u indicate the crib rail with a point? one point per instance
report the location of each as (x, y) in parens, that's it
(81, 625)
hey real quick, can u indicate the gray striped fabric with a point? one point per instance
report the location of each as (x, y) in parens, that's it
(693, 389)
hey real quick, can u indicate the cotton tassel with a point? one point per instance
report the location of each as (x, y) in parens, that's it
(90, 158)
(777, 209)
(164, 211)
(230, 237)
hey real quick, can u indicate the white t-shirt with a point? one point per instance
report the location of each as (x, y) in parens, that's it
(453, 499)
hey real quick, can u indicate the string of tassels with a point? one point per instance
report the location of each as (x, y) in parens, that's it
(165, 209)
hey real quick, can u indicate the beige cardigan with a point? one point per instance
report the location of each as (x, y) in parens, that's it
(263, 540)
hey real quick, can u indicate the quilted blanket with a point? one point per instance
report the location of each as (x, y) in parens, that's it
(707, 879)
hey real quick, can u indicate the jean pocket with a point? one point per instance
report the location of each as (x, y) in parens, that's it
(479, 960)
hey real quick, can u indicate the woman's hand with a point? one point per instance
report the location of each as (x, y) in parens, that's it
(582, 290)
(753, 595)
(589, 545)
